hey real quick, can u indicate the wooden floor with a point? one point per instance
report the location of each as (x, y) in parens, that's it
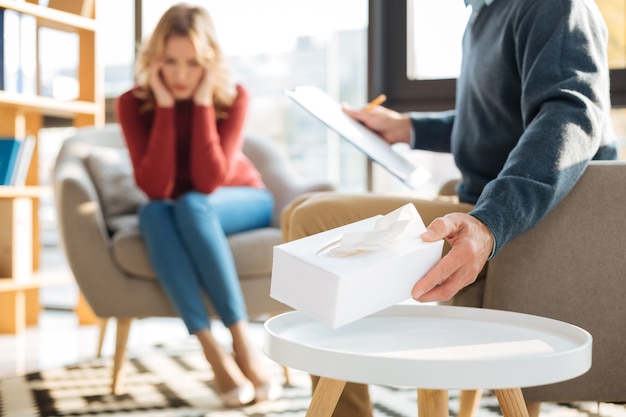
(58, 339)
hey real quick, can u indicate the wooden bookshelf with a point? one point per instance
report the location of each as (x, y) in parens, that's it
(33, 191)
(52, 18)
(22, 115)
(47, 105)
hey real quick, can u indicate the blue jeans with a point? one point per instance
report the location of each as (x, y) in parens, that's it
(187, 245)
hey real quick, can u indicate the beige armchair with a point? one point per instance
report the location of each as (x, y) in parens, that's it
(96, 201)
(572, 267)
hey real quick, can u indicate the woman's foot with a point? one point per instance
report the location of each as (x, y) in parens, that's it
(268, 392)
(232, 385)
(265, 388)
(234, 388)
(239, 396)
(251, 366)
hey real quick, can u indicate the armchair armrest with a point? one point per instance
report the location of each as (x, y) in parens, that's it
(82, 228)
(279, 174)
(76, 198)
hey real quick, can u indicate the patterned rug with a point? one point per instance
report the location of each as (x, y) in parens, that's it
(177, 382)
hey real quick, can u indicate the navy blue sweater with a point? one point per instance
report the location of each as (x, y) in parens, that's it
(532, 109)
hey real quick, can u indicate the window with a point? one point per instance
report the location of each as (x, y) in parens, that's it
(614, 12)
(116, 48)
(434, 49)
(389, 41)
(387, 61)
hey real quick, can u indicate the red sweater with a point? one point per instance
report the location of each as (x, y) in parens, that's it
(184, 148)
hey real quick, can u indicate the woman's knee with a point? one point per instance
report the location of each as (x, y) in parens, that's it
(191, 199)
(193, 202)
(153, 212)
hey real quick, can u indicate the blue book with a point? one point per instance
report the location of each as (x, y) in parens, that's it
(22, 161)
(9, 148)
(9, 50)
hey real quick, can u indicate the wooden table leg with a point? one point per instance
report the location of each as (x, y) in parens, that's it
(325, 397)
(468, 402)
(432, 403)
(533, 409)
(512, 402)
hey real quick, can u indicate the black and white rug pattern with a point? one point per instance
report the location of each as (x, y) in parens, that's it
(170, 382)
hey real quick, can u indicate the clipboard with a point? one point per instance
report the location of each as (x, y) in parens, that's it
(329, 112)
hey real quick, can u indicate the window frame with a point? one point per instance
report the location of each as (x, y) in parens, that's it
(387, 63)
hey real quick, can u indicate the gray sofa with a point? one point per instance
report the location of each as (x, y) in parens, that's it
(97, 200)
(572, 267)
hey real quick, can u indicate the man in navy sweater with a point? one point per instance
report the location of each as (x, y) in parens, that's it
(532, 109)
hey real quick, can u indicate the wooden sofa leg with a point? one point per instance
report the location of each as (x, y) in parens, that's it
(121, 340)
(102, 329)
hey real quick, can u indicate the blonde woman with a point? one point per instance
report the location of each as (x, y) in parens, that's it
(183, 126)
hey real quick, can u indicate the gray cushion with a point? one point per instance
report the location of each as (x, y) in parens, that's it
(252, 252)
(130, 254)
(112, 174)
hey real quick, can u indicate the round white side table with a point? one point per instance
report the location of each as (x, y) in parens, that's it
(432, 348)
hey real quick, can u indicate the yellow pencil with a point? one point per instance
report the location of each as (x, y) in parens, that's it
(376, 102)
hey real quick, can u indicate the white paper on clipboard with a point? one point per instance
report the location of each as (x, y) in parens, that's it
(329, 112)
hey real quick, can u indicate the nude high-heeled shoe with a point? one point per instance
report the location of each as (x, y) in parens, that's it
(240, 396)
(268, 392)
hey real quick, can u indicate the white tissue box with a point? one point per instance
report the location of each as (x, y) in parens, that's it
(339, 290)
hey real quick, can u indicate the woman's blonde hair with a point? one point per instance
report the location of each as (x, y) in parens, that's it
(196, 23)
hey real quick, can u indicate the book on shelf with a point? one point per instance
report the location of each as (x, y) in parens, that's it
(9, 50)
(9, 148)
(22, 163)
(28, 54)
(15, 158)
(18, 52)
(58, 74)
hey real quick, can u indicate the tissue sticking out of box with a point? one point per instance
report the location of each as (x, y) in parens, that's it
(402, 223)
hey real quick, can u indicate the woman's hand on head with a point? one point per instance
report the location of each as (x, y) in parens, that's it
(394, 127)
(162, 95)
(471, 244)
(205, 90)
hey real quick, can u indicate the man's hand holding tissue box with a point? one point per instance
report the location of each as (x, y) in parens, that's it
(472, 244)
(347, 273)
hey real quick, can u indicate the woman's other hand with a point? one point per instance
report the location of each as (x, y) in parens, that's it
(206, 88)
